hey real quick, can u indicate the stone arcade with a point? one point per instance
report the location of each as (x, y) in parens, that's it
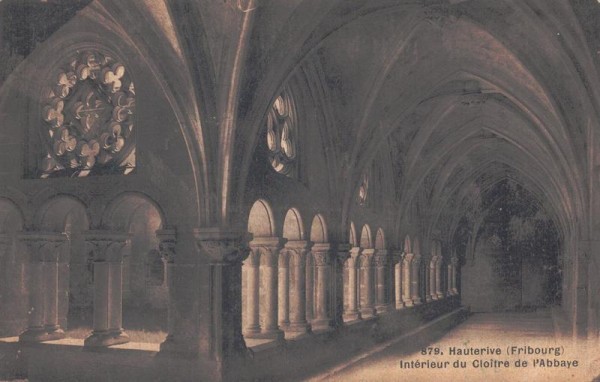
(247, 189)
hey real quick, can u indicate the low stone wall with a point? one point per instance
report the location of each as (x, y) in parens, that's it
(297, 360)
(291, 360)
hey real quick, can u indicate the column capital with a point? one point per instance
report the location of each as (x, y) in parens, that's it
(297, 247)
(370, 252)
(268, 242)
(322, 254)
(366, 257)
(322, 258)
(381, 258)
(106, 245)
(42, 244)
(299, 244)
(321, 247)
(223, 246)
(355, 252)
(167, 242)
(266, 249)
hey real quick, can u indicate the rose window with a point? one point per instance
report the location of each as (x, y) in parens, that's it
(89, 112)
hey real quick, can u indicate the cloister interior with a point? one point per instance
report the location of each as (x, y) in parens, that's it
(294, 189)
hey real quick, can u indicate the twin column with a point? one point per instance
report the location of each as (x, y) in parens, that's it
(45, 251)
(106, 250)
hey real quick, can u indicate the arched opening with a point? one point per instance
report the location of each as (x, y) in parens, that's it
(318, 230)
(352, 236)
(254, 288)
(144, 284)
(380, 239)
(260, 220)
(292, 225)
(515, 264)
(365, 237)
(318, 235)
(68, 215)
(294, 263)
(13, 291)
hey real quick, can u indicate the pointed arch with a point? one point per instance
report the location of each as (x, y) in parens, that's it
(260, 220)
(292, 225)
(318, 230)
(366, 240)
(61, 214)
(352, 236)
(407, 244)
(380, 239)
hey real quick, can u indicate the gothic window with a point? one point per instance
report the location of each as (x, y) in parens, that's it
(88, 112)
(363, 190)
(281, 137)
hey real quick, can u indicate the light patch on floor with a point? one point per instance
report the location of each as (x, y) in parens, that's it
(516, 335)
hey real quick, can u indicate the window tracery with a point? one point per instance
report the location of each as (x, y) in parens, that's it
(363, 190)
(281, 135)
(88, 111)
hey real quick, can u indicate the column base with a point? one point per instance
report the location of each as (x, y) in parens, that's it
(251, 332)
(298, 328)
(417, 301)
(368, 313)
(321, 324)
(429, 299)
(351, 316)
(277, 335)
(408, 303)
(106, 338)
(440, 296)
(42, 334)
(400, 305)
(382, 308)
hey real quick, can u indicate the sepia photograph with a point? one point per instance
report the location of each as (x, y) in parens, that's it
(299, 190)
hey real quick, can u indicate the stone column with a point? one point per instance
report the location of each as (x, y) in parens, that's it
(381, 262)
(430, 294)
(226, 251)
(398, 260)
(449, 278)
(438, 278)
(297, 250)
(414, 280)
(340, 295)
(283, 290)
(106, 249)
(167, 242)
(322, 259)
(407, 280)
(310, 287)
(44, 253)
(352, 313)
(252, 308)
(367, 309)
(269, 250)
(454, 262)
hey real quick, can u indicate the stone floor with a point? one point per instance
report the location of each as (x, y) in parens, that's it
(533, 331)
